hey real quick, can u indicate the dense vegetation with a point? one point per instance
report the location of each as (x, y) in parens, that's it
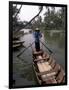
(53, 20)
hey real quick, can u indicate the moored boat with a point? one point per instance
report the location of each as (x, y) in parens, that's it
(18, 42)
(16, 45)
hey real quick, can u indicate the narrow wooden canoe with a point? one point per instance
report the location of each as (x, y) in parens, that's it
(46, 69)
(16, 45)
(18, 42)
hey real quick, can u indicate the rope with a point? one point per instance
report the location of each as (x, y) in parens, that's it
(18, 11)
(47, 48)
(33, 18)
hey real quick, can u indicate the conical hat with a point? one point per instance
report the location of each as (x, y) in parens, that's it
(37, 29)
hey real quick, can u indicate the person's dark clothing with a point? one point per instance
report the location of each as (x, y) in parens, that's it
(37, 36)
(37, 46)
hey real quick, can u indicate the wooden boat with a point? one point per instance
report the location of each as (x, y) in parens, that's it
(15, 38)
(18, 42)
(46, 69)
(16, 45)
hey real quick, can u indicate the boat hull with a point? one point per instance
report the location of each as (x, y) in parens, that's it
(46, 69)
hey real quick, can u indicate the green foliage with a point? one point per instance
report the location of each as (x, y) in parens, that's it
(37, 23)
(54, 20)
(16, 24)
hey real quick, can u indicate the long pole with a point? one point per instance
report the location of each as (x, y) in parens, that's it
(25, 49)
(32, 18)
(47, 47)
(18, 11)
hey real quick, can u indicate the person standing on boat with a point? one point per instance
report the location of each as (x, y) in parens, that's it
(37, 36)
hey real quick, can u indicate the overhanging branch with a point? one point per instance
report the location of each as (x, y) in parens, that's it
(32, 19)
(18, 11)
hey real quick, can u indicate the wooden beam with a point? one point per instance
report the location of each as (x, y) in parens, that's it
(18, 11)
(56, 69)
(31, 19)
(40, 59)
(46, 72)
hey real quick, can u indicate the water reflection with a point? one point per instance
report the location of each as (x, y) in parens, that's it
(56, 42)
(55, 38)
(28, 73)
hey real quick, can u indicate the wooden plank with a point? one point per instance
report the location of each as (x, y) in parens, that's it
(48, 73)
(45, 55)
(40, 59)
(17, 45)
(53, 63)
(18, 42)
(60, 76)
(51, 81)
(40, 67)
(57, 67)
(37, 53)
(48, 66)
(50, 60)
(43, 65)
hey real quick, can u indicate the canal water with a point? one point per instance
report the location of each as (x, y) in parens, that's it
(23, 73)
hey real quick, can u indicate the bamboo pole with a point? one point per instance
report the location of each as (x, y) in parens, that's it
(25, 49)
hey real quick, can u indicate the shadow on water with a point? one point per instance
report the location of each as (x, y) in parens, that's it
(19, 48)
